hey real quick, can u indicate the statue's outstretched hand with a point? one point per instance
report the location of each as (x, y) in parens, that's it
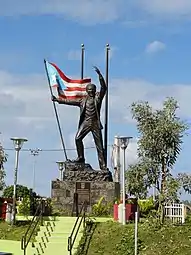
(97, 70)
(54, 99)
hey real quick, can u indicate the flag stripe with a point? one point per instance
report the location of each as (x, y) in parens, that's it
(67, 88)
(71, 97)
(68, 80)
(75, 89)
(72, 93)
(73, 86)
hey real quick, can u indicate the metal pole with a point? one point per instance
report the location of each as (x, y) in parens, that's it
(61, 175)
(117, 157)
(34, 166)
(123, 183)
(136, 231)
(82, 60)
(34, 152)
(15, 186)
(106, 104)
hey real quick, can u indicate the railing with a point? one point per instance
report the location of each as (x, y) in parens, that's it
(76, 228)
(38, 217)
(175, 212)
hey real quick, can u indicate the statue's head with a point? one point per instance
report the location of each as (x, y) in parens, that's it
(91, 89)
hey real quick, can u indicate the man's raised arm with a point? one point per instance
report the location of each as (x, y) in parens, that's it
(66, 101)
(102, 83)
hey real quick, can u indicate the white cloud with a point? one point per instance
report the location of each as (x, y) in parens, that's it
(124, 92)
(95, 11)
(100, 11)
(131, 154)
(155, 47)
(168, 9)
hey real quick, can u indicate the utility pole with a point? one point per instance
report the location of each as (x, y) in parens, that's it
(116, 159)
(34, 153)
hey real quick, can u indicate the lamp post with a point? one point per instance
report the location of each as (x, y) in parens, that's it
(18, 143)
(124, 141)
(61, 168)
(34, 152)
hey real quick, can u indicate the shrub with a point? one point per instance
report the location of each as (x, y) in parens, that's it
(102, 208)
(146, 207)
(24, 207)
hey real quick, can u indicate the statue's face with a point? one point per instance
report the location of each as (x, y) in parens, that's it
(91, 90)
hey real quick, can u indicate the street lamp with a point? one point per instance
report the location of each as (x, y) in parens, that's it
(18, 143)
(34, 152)
(61, 168)
(124, 141)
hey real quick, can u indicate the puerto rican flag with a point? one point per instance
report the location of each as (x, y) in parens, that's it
(66, 87)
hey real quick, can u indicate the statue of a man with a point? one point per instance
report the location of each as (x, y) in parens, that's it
(90, 107)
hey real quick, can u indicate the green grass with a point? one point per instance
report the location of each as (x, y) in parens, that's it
(111, 238)
(15, 233)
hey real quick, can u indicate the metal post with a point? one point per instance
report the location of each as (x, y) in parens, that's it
(34, 152)
(70, 245)
(124, 143)
(136, 231)
(25, 245)
(106, 103)
(61, 169)
(61, 175)
(82, 60)
(123, 183)
(42, 212)
(34, 166)
(117, 159)
(15, 185)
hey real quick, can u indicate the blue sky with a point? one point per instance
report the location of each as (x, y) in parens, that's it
(150, 59)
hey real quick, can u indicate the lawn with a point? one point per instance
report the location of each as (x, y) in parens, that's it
(15, 233)
(111, 238)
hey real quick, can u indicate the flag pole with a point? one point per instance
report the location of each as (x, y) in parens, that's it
(56, 113)
(82, 60)
(106, 104)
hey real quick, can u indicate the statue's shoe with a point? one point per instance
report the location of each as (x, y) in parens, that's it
(79, 160)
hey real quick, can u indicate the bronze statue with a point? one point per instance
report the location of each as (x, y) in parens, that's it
(90, 107)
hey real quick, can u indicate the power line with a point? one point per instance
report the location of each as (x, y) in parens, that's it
(53, 150)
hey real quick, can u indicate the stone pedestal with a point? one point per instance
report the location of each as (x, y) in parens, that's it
(63, 193)
(89, 184)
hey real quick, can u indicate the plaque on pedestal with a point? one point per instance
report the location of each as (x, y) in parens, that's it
(83, 191)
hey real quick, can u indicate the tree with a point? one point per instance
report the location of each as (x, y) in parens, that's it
(24, 207)
(3, 159)
(161, 133)
(185, 180)
(137, 182)
(21, 191)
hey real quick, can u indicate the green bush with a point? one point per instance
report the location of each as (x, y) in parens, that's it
(146, 207)
(24, 207)
(102, 208)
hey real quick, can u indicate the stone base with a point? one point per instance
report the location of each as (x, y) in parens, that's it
(63, 194)
(74, 166)
(92, 175)
(84, 172)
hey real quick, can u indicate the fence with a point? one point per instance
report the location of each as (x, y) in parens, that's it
(176, 212)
